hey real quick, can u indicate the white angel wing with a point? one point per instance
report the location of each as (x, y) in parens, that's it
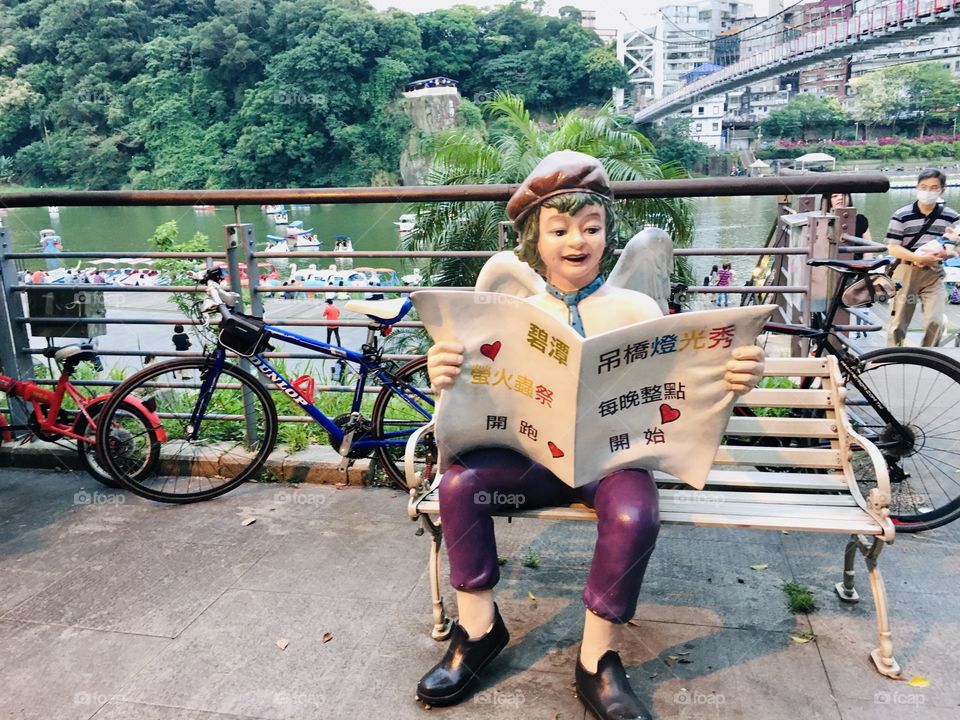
(506, 273)
(645, 265)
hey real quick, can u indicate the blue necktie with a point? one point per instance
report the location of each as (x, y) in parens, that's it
(573, 299)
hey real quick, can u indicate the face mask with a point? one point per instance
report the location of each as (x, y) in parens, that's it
(927, 197)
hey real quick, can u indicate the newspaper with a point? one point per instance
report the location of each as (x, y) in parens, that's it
(649, 395)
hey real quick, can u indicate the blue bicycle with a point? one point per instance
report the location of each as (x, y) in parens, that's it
(221, 422)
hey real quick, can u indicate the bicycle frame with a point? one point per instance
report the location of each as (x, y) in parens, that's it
(37, 396)
(825, 340)
(369, 366)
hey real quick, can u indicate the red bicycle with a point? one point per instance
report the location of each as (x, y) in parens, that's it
(51, 421)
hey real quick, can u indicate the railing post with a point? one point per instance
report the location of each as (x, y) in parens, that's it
(819, 227)
(249, 241)
(13, 334)
(231, 242)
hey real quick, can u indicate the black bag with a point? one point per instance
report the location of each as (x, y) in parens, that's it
(928, 223)
(244, 335)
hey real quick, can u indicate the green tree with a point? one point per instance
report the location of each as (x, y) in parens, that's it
(878, 98)
(674, 146)
(507, 155)
(805, 112)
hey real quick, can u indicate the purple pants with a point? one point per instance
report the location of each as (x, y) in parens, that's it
(484, 481)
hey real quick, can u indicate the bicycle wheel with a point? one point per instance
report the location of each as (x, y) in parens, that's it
(395, 417)
(197, 462)
(130, 427)
(921, 389)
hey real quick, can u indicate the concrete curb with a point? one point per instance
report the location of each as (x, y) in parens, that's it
(315, 464)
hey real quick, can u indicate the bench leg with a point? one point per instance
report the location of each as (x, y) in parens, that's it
(883, 655)
(846, 590)
(442, 625)
(870, 547)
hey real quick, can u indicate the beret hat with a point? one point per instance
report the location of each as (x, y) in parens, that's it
(560, 172)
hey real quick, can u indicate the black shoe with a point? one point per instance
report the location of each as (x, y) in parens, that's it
(448, 680)
(607, 694)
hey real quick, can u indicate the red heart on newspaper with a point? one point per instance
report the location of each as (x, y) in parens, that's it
(668, 414)
(490, 350)
(554, 450)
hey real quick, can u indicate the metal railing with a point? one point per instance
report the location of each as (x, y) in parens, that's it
(240, 246)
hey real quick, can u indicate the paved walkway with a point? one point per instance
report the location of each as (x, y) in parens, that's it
(116, 608)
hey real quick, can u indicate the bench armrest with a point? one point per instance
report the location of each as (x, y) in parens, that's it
(878, 502)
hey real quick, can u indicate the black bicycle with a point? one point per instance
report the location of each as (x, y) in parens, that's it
(906, 401)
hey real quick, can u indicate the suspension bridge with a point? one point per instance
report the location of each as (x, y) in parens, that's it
(886, 23)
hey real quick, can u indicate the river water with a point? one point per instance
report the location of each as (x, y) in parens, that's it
(720, 223)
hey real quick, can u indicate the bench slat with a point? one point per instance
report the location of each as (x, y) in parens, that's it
(787, 398)
(863, 524)
(718, 498)
(782, 427)
(799, 367)
(851, 520)
(771, 480)
(781, 457)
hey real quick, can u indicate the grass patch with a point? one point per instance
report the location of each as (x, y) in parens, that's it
(531, 559)
(799, 598)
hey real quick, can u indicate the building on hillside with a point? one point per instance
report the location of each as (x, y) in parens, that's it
(833, 76)
(684, 39)
(706, 122)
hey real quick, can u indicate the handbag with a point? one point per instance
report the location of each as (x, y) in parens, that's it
(928, 223)
(244, 335)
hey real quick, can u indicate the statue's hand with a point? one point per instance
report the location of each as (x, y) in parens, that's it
(745, 369)
(443, 364)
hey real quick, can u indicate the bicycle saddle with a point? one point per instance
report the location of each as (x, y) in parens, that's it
(77, 352)
(851, 265)
(384, 311)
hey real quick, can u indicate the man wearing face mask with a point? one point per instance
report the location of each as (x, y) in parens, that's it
(920, 276)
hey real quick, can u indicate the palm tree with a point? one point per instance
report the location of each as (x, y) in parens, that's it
(512, 148)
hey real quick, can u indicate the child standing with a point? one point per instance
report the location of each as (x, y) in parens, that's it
(724, 277)
(181, 343)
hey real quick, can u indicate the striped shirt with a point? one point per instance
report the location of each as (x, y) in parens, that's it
(907, 222)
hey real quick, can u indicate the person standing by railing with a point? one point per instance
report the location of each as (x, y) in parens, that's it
(724, 279)
(920, 276)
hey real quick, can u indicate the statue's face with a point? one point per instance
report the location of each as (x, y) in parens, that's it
(571, 246)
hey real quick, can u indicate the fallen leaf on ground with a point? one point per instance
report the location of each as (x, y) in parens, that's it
(327, 637)
(248, 521)
(685, 652)
(759, 567)
(633, 622)
(654, 675)
(531, 596)
(282, 643)
(673, 657)
(803, 637)
(918, 681)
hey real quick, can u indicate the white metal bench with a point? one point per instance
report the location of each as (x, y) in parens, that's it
(754, 486)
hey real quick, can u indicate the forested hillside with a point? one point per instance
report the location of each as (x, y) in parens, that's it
(258, 93)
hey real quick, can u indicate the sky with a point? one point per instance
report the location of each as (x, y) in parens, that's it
(610, 13)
